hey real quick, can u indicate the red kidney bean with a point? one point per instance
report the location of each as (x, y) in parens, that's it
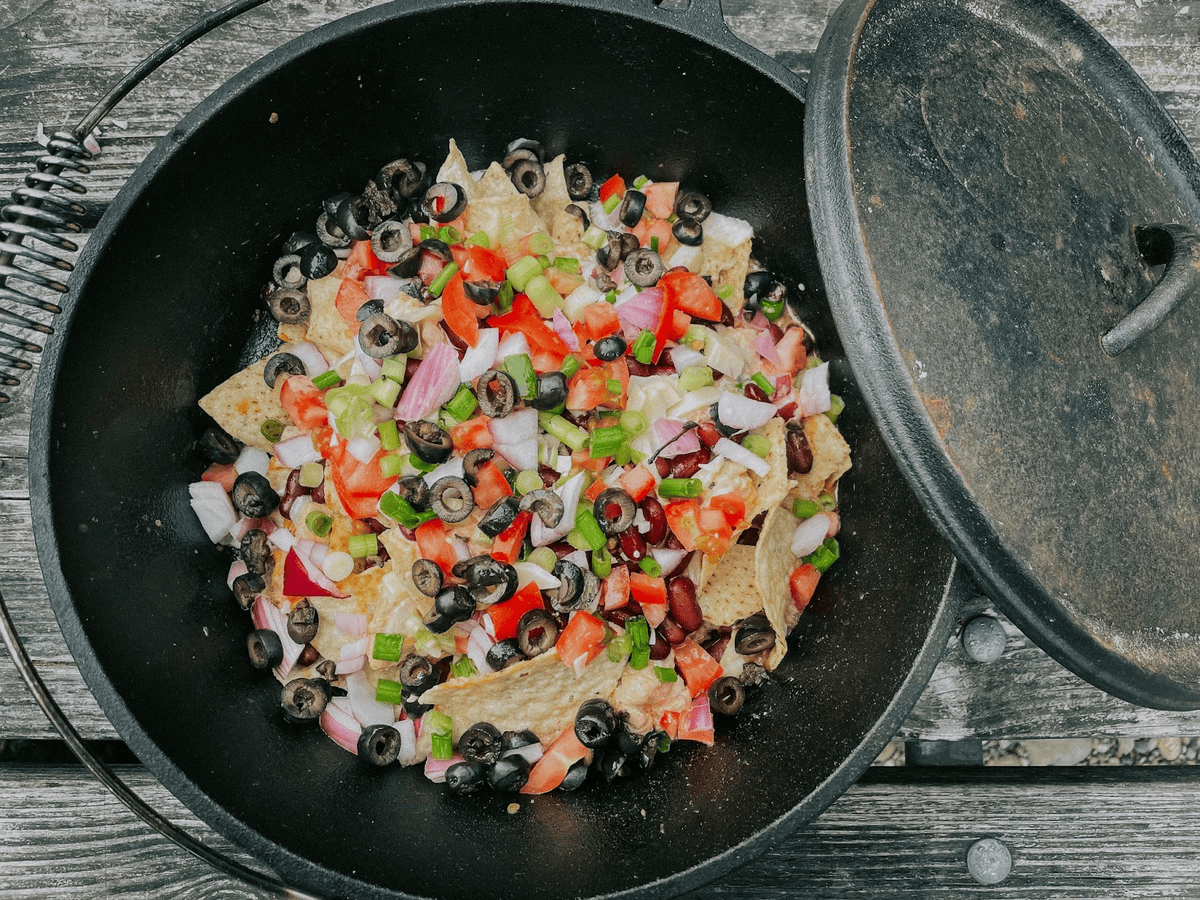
(717, 649)
(688, 464)
(787, 411)
(561, 549)
(726, 314)
(709, 435)
(684, 561)
(632, 544)
(409, 367)
(682, 603)
(754, 392)
(653, 512)
(643, 369)
(549, 475)
(318, 493)
(799, 454)
(663, 465)
(776, 332)
(659, 650)
(672, 542)
(292, 491)
(618, 616)
(308, 655)
(671, 631)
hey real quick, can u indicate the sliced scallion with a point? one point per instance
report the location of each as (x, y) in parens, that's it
(640, 182)
(642, 347)
(542, 294)
(761, 380)
(394, 367)
(605, 441)
(312, 474)
(602, 562)
(385, 392)
(319, 523)
(654, 242)
(387, 647)
(504, 299)
(827, 502)
(589, 528)
(441, 746)
(725, 291)
(692, 378)
(387, 690)
(651, 566)
(836, 405)
(568, 264)
(543, 557)
(665, 674)
(612, 203)
(360, 546)
(520, 272)
(326, 380)
(462, 667)
(540, 244)
(527, 480)
(443, 278)
(272, 430)
(614, 386)
(570, 365)
(392, 465)
(595, 237)
(685, 488)
(634, 422)
(757, 444)
(772, 309)
(571, 435)
(448, 234)
(462, 404)
(804, 509)
(480, 239)
(825, 555)
(389, 434)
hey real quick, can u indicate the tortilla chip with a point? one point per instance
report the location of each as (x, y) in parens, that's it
(775, 485)
(456, 171)
(541, 694)
(291, 332)
(644, 699)
(773, 566)
(831, 457)
(496, 185)
(399, 598)
(498, 202)
(326, 327)
(726, 590)
(727, 266)
(554, 197)
(240, 404)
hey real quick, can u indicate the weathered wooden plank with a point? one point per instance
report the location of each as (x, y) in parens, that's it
(897, 834)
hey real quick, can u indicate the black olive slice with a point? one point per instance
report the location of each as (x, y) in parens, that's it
(633, 204)
(482, 742)
(316, 260)
(503, 654)
(381, 336)
(265, 648)
(499, 516)
(286, 272)
(614, 510)
(353, 217)
(603, 281)
(257, 551)
(451, 498)
(692, 205)
(428, 442)
(515, 740)
(575, 777)
(438, 248)
(408, 264)
(551, 391)
(247, 587)
(546, 505)
(629, 243)
(418, 674)
(303, 622)
(454, 603)
(609, 253)
(466, 777)
(402, 177)
(644, 267)
(482, 291)
(253, 495)
(688, 233)
(611, 348)
(391, 240)
(595, 723)
(485, 571)
(537, 631)
(444, 201)
(727, 694)
(754, 635)
(219, 446)
(282, 364)
(415, 490)
(379, 744)
(331, 204)
(289, 307)
(304, 699)
(579, 213)
(579, 181)
(370, 308)
(427, 576)
(528, 176)
(297, 241)
(496, 392)
(330, 234)
(473, 460)
(525, 145)
(510, 773)
(570, 590)
(758, 283)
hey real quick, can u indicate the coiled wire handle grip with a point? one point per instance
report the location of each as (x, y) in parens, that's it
(38, 213)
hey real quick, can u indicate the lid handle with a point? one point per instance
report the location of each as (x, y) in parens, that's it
(1179, 247)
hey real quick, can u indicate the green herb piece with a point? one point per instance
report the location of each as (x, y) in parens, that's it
(387, 647)
(665, 675)
(520, 272)
(387, 690)
(825, 555)
(400, 510)
(757, 444)
(692, 378)
(443, 278)
(462, 404)
(643, 347)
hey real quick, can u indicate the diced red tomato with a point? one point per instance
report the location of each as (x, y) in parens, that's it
(544, 360)
(484, 264)
(803, 584)
(433, 544)
(549, 771)
(680, 323)
(682, 519)
(506, 547)
(582, 459)
(588, 390)
(618, 370)
(491, 485)
(594, 490)
(792, 355)
(699, 669)
(358, 484)
(651, 593)
(615, 186)
(350, 296)
(637, 482)
(458, 310)
(616, 588)
(599, 320)
(304, 402)
(362, 256)
(696, 723)
(660, 198)
(692, 294)
(583, 638)
(732, 505)
(665, 326)
(563, 282)
(648, 229)
(524, 318)
(501, 618)
(471, 434)
(224, 474)
(715, 532)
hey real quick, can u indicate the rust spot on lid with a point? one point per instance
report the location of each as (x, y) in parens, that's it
(1166, 469)
(940, 412)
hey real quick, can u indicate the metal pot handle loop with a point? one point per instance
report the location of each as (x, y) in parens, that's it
(704, 17)
(1178, 246)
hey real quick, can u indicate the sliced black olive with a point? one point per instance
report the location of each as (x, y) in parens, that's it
(754, 635)
(440, 249)
(551, 391)
(303, 622)
(753, 674)
(327, 669)
(566, 596)
(304, 699)
(412, 704)
(633, 204)
(454, 604)
(522, 146)
(509, 773)
(257, 551)
(499, 516)
(354, 216)
(503, 654)
(724, 429)
(614, 520)
(482, 291)
(610, 253)
(481, 743)
(466, 777)
(427, 576)
(487, 594)
(546, 504)
(265, 648)
(444, 201)
(629, 243)
(575, 777)
(473, 460)
(286, 272)
(649, 748)
(486, 571)
(415, 490)
(253, 496)
(317, 260)
(595, 723)
(528, 176)
(370, 308)
(330, 234)
(297, 241)
(612, 764)
(451, 498)
(414, 288)
(692, 205)
(247, 587)
(381, 336)
(391, 240)
(579, 181)
(727, 694)
(537, 631)
(408, 264)
(580, 213)
(402, 177)
(331, 204)
(603, 281)
(591, 591)
(219, 446)
(644, 267)
(688, 233)
(496, 392)
(610, 348)
(515, 740)
(428, 442)
(379, 744)
(418, 674)
(282, 364)
(289, 306)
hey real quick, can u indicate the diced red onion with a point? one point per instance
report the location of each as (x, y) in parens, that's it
(213, 508)
(460, 548)
(569, 492)
(640, 310)
(513, 345)
(814, 391)
(409, 752)
(318, 553)
(478, 645)
(305, 547)
(341, 726)
(758, 321)
(683, 357)
(350, 666)
(364, 448)
(367, 709)
(314, 360)
(700, 716)
(296, 451)
(264, 614)
(318, 577)
(434, 383)
(562, 327)
(809, 534)
(381, 287)
(740, 455)
(353, 624)
(739, 412)
(435, 769)
(765, 345)
(479, 359)
(667, 429)
(530, 752)
(238, 531)
(527, 572)
(237, 569)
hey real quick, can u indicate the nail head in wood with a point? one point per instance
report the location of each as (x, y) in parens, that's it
(984, 639)
(989, 861)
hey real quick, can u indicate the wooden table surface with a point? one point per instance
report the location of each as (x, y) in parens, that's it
(900, 832)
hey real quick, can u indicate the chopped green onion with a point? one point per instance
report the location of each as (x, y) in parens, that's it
(665, 674)
(664, 742)
(568, 264)
(836, 405)
(725, 291)
(443, 278)
(634, 422)
(827, 502)
(389, 434)
(360, 546)
(605, 441)
(440, 723)
(427, 232)
(527, 480)
(312, 474)
(272, 430)
(395, 366)
(543, 557)
(558, 427)
(638, 630)
(595, 237)
(387, 690)
(520, 367)
(813, 361)
(480, 239)
(570, 365)
(542, 294)
(462, 404)
(651, 566)
(654, 242)
(612, 203)
(643, 347)
(772, 309)
(640, 182)
(692, 378)
(540, 243)
(352, 408)
(385, 392)
(624, 454)
(522, 270)
(504, 299)
(761, 380)
(687, 488)
(639, 659)
(462, 667)
(825, 555)
(326, 379)
(419, 464)
(400, 510)
(441, 746)
(589, 528)
(618, 648)
(387, 647)
(602, 562)
(804, 509)
(392, 465)
(614, 386)
(611, 297)
(757, 444)
(697, 334)
(319, 523)
(448, 234)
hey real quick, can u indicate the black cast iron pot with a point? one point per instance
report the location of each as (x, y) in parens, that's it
(165, 304)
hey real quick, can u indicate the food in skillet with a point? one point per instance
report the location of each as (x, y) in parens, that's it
(541, 477)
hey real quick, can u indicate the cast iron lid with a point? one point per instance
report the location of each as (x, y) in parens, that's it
(983, 179)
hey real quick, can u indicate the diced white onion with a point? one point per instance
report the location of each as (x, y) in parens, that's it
(668, 557)
(353, 624)
(741, 413)
(682, 357)
(810, 534)
(451, 468)
(359, 647)
(381, 287)
(314, 360)
(512, 345)
(251, 459)
(300, 509)
(350, 666)
(367, 709)
(727, 230)
(814, 391)
(213, 508)
(296, 451)
(283, 539)
(479, 359)
(740, 455)
(527, 572)
(364, 448)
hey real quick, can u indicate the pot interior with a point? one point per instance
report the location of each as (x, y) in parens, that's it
(166, 305)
